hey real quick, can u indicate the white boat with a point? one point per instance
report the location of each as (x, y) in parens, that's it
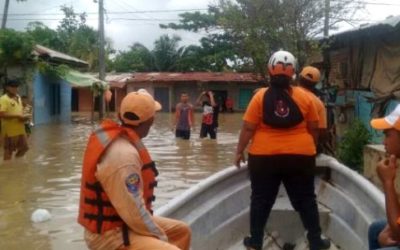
(217, 210)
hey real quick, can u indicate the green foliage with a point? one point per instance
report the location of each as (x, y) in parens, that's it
(253, 29)
(195, 21)
(166, 53)
(52, 71)
(98, 89)
(43, 35)
(137, 58)
(350, 150)
(73, 37)
(217, 48)
(168, 56)
(15, 48)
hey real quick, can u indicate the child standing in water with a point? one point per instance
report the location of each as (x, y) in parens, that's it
(27, 112)
(209, 124)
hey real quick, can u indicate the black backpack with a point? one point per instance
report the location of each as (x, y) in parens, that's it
(280, 110)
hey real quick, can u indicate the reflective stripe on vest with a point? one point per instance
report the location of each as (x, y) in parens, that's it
(96, 212)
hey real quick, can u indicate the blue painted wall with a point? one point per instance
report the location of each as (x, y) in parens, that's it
(362, 111)
(51, 99)
(66, 95)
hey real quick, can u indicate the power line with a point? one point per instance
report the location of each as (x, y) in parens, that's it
(109, 12)
(116, 18)
(376, 3)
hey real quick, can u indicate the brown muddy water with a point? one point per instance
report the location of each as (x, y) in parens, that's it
(49, 177)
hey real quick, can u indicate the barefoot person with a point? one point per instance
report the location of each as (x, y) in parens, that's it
(385, 234)
(12, 122)
(118, 179)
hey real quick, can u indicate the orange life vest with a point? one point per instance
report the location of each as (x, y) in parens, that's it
(96, 212)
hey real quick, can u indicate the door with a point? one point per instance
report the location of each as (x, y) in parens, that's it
(161, 94)
(75, 100)
(220, 98)
(55, 98)
(244, 98)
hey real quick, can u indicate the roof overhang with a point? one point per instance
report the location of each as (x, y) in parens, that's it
(58, 57)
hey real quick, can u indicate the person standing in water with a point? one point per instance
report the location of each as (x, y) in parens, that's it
(209, 124)
(184, 117)
(282, 124)
(27, 111)
(12, 122)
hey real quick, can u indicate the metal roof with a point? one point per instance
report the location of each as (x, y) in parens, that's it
(389, 23)
(177, 77)
(40, 50)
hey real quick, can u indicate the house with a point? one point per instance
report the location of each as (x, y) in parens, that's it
(52, 97)
(364, 65)
(167, 87)
(83, 101)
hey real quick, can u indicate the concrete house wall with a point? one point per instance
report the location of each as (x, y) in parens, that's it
(232, 90)
(52, 100)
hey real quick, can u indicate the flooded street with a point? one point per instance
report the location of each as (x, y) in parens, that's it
(49, 177)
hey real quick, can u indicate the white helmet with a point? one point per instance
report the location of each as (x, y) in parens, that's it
(282, 63)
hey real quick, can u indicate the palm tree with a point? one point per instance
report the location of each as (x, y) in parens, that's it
(167, 53)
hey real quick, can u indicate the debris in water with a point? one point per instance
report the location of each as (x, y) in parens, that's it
(40, 215)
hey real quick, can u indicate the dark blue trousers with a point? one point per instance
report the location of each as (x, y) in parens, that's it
(374, 230)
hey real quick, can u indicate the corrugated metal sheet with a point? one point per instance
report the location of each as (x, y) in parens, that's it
(40, 50)
(118, 80)
(389, 23)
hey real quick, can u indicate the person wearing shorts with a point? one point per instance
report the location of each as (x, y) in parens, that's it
(184, 120)
(12, 122)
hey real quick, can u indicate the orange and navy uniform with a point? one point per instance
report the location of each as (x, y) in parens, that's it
(321, 110)
(272, 141)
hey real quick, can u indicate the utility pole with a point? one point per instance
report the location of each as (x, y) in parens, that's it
(325, 54)
(326, 23)
(102, 66)
(5, 14)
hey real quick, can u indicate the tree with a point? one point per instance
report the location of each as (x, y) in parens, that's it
(167, 53)
(43, 35)
(255, 28)
(78, 39)
(137, 58)
(15, 48)
(216, 50)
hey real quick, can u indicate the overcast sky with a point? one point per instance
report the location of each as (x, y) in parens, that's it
(124, 31)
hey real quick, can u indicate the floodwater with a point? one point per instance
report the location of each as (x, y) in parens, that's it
(49, 177)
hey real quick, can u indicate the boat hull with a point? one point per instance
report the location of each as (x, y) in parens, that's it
(217, 209)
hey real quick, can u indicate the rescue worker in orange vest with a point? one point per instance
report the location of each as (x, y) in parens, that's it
(309, 77)
(118, 178)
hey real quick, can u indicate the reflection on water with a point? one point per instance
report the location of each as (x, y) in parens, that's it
(49, 177)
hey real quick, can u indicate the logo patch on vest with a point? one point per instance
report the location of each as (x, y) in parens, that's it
(281, 109)
(132, 183)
